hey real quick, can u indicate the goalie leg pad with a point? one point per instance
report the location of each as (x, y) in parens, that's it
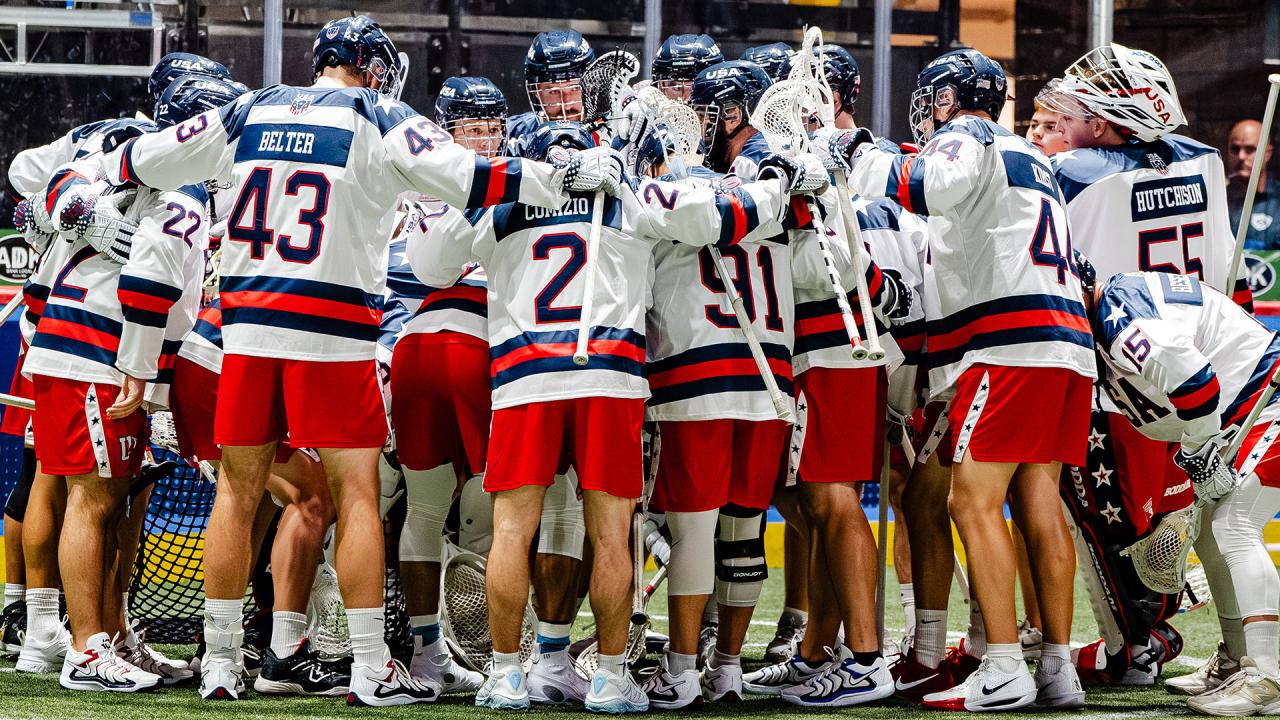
(740, 565)
(430, 493)
(1237, 525)
(563, 531)
(693, 566)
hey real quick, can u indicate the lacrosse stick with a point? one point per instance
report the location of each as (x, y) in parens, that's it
(164, 435)
(327, 616)
(1259, 156)
(589, 659)
(11, 307)
(808, 70)
(779, 117)
(781, 403)
(882, 540)
(1197, 593)
(1160, 558)
(603, 85)
(464, 612)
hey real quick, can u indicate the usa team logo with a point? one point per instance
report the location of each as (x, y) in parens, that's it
(301, 104)
(331, 32)
(1261, 276)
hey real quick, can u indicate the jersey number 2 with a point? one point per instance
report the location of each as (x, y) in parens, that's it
(255, 232)
(544, 310)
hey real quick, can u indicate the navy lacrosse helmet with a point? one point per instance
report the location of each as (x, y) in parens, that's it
(682, 57)
(734, 83)
(568, 135)
(774, 58)
(473, 98)
(361, 43)
(657, 147)
(961, 80)
(177, 64)
(842, 74)
(191, 95)
(556, 56)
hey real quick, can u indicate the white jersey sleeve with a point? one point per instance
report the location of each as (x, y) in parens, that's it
(934, 182)
(31, 168)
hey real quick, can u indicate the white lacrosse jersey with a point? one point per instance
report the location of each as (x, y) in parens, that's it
(461, 307)
(203, 345)
(318, 172)
(535, 259)
(1183, 362)
(1158, 206)
(102, 319)
(1006, 286)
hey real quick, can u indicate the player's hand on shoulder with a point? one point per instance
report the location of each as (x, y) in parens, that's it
(590, 170)
(800, 175)
(837, 146)
(97, 219)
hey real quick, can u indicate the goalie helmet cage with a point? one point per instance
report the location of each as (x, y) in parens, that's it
(166, 593)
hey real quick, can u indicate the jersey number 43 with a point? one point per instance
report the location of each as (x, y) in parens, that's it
(248, 221)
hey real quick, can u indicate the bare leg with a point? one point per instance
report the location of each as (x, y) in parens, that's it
(516, 514)
(1026, 583)
(1035, 488)
(361, 555)
(299, 542)
(228, 559)
(924, 514)
(796, 549)
(14, 572)
(82, 550)
(555, 587)
(608, 519)
(824, 621)
(844, 534)
(901, 535)
(41, 529)
(976, 503)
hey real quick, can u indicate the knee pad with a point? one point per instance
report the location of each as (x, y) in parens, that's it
(740, 565)
(693, 562)
(390, 485)
(475, 517)
(15, 505)
(430, 493)
(562, 531)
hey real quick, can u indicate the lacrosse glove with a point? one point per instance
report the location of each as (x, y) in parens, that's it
(801, 175)
(1210, 477)
(591, 170)
(837, 146)
(97, 220)
(896, 304)
(32, 222)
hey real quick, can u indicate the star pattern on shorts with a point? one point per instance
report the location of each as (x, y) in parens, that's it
(1111, 513)
(801, 406)
(1102, 476)
(1096, 439)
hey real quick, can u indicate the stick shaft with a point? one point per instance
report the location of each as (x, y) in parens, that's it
(18, 402)
(589, 280)
(1246, 210)
(1252, 417)
(882, 541)
(858, 251)
(639, 615)
(842, 297)
(11, 307)
(781, 405)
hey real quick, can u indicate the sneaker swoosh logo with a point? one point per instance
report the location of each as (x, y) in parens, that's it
(987, 690)
(908, 685)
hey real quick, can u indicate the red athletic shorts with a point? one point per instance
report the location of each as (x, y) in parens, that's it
(440, 400)
(1262, 437)
(1021, 415)
(1150, 483)
(16, 419)
(74, 436)
(707, 464)
(193, 399)
(318, 404)
(843, 420)
(601, 435)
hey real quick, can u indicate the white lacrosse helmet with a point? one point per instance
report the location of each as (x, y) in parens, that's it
(1130, 88)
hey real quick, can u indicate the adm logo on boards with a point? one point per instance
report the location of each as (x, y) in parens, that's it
(17, 259)
(1261, 274)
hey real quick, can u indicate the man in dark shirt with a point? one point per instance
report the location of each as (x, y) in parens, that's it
(1264, 221)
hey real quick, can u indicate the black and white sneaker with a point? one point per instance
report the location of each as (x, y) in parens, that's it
(388, 685)
(13, 627)
(99, 669)
(302, 673)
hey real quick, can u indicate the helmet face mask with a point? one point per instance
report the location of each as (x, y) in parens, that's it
(558, 100)
(675, 89)
(1131, 89)
(485, 136)
(931, 108)
(473, 110)
(388, 80)
(955, 81)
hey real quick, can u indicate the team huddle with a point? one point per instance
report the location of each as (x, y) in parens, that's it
(623, 326)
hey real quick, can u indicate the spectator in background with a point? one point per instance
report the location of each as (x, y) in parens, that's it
(1264, 222)
(1043, 130)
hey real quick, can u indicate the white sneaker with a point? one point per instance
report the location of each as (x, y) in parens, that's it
(1248, 692)
(506, 688)
(435, 663)
(1210, 675)
(772, 680)
(555, 682)
(1032, 639)
(1061, 689)
(99, 669)
(44, 654)
(987, 689)
(786, 639)
(843, 683)
(723, 682)
(221, 678)
(1144, 665)
(145, 657)
(668, 691)
(388, 685)
(615, 694)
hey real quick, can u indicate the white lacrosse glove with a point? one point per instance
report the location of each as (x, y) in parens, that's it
(635, 121)
(32, 222)
(597, 168)
(1211, 478)
(801, 175)
(97, 220)
(836, 146)
(895, 304)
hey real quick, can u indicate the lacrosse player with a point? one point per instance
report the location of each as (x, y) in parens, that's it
(553, 70)
(1139, 198)
(1186, 365)
(1011, 342)
(723, 95)
(678, 62)
(1043, 130)
(774, 59)
(303, 273)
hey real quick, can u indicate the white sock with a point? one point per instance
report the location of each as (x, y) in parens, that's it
(615, 664)
(368, 647)
(719, 659)
(931, 637)
(287, 631)
(908, 593)
(802, 614)
(976, 642)
(553, 642)
(504, 659)
(13, 592)
(1233, 636)
(1262, 642)
(1005, 657)
(678, 663)
(1053, 657)
(42, 612)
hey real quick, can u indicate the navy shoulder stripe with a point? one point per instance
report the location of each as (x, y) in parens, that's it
(880, 215)
(1078, 169)
(1125, 298)
(197, 192)
(984, 131)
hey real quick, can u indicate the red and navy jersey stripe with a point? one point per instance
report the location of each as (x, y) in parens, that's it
(79, 332)
(146, 302)
(534, 353)
(906, 183)
(738, 216)
(819, 325)
(168, 358)
(1242, 294)
(714, 369)
(463, 297)
(306, 305)
(1007, 321)
(495, 181)
(910, 338)
(1244, 401)
(1198, 396)
(34, 296)
(209, 323)
(62, 181)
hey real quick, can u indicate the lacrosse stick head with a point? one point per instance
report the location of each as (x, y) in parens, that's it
(724, 96)
(1160, 558)
(674, 134)
(606, 82)
(588, 661)
(464, 613)
(779, 116)
(327, 616)
(553, 70)
(808, 69)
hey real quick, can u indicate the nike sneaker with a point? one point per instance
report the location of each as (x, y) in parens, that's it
(723, 682)
(773, 679)
(13, 627)
(615, 694)
(987, 689)
(1032, 639)
(554, 682)
(1061, 689)
(668, 691)
(99, 669)
(222, 678)
(144, 657)
(435, 663)
(960, 662)
(1210, 675)
(505, 689)
(44, 654)
(913, 680)
(786, 638)
(301, 673)
(843, 683)
(1248, 692)
(388, 685)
